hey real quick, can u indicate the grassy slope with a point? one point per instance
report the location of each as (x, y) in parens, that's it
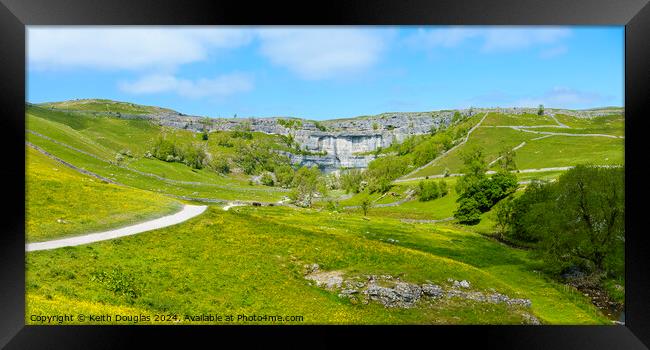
(103, 105)
(491, 140)
(101, 136)
(517, 119)
(250, 260)
(258, 270)
(50, 186)
(553, 151)
(558, 151)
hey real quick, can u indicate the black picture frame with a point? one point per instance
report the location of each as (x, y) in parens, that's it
(16, 14)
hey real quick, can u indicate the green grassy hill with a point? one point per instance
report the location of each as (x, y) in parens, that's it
(103, 105)
(252, 259)
(204, 267)
(540, 142)
(62, 202)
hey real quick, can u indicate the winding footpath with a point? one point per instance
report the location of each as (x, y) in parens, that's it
(449, 150)
(188, 212)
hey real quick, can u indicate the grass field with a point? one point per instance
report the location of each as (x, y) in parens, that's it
(490, 140)
(62, 202)
(259, 270)
(517, 119)
(251, 260)
(558, 151)
(540, 151)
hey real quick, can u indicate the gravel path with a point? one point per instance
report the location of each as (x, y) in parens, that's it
(188, 212)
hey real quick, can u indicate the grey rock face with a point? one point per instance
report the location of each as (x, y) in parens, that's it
(432, 290)
(347, 143)
(392, 292)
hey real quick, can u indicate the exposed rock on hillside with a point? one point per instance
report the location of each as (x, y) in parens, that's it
(330, 144)
(393, 292)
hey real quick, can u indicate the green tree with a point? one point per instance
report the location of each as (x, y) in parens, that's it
(578, 220)
(444, 188)
(351, 180)
(219, 164)
(306, 186)
(468, 211)
(540, 110)
(284, 175)
(267, 179)
(474, 169)
(477, 192)
(428, 190)
(366, 204)
(507, 160)
(504, 210)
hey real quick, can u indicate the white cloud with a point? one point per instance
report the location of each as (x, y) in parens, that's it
(566, 98)
(126, 47)
(322, 53)
(220, 86)
(557, 97)
(489, 39)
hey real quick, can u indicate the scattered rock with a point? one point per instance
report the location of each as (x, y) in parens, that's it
(530, 319)
(312, 268)
(463, 284)
(392, 292)
(432, 290)
(327, 279)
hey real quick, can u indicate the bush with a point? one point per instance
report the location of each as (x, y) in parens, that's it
(468, 211)
(351, 180)
(382, 171)
(444, 188)
(223, 139)
(428, 190)
(243, 131)
(165, 149)
(577, 221)
(219, 164)
(284, 175)
(267, 179)
(193, 155)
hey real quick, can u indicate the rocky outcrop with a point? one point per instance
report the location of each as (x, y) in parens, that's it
(393, 292)
(338, 143)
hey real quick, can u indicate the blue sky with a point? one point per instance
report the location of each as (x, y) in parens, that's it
(328, 72)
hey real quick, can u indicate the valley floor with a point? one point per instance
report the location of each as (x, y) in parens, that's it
(250, 253)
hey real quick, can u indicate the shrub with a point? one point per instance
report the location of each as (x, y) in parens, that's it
(366, 204)
(444, 188)
(284, 175)
(267, 179)
(578, 220)
(468, 211)
(219, 164)
(164, 149)
(351, 180)
(428, 190)
(243, 131)
(193, 155)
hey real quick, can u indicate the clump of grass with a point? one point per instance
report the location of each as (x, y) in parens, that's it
(117, 282)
